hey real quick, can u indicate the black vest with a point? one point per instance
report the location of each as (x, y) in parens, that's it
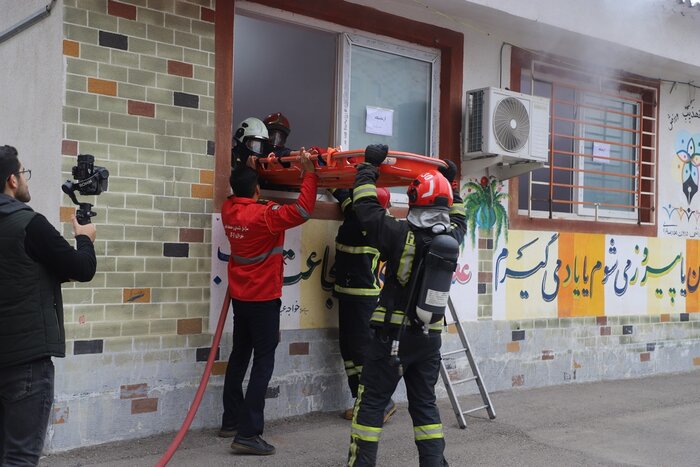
(31, 306)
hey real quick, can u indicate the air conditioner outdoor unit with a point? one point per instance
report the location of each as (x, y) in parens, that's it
(505, 132)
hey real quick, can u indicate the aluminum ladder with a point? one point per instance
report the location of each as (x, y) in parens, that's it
(476, 375)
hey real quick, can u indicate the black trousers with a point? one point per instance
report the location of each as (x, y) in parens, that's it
(256, 327)
(420, 358)
(353, 329)
(26, 395)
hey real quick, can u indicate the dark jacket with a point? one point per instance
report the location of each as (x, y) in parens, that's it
(357, 260)
(34, 260)
(400, 243)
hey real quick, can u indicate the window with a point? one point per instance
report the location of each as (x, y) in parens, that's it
(602, 162)
(401, 79)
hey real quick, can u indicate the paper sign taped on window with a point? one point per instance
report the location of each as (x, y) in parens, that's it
(379, 121)
(602, 150)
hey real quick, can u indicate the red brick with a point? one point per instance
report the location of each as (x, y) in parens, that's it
(644, 357)
(144, 406)
(298, 348)
(483, 244)
(219, 368)
(102, 86)
(66, 214)
(180, 68)
(121, 9)
(601, 320)
(192, 235)
(71, 48)
(518, 380)
(189, 326)
(485, 277)
(202, 191)
(136, 295)
(605, 330)
(133, 391)
(665, 318)
(144, 109)
(696, 361)
(69, 148)
(513, 346)
(206, 177)
(547, 355)
(208, 14)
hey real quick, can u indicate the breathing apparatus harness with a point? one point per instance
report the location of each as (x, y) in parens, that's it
(429, 288)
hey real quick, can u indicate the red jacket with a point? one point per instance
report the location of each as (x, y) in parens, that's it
(255, 232)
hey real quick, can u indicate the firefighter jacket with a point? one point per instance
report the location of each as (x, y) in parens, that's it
(255, 231)
(356, 259)
(400, 243)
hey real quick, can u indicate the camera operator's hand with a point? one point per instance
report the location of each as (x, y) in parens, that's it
(376, 153)
(449, 172)
(87, 229)
(307, 164)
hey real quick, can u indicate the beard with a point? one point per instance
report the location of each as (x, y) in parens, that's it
(23, 194)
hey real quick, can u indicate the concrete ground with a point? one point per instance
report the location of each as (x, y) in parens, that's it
(643, 422)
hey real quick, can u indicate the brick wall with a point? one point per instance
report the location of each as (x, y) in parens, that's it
(139, 96)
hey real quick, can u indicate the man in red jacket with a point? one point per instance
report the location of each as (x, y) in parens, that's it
(255, 230)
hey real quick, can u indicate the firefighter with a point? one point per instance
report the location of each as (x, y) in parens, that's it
(434, 208)
(278, 130)
(357, 262)
(255, 230)
(249, 139)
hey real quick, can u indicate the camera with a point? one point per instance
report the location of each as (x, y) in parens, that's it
(90, 180)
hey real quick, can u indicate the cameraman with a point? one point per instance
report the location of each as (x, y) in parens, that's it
(34, 260)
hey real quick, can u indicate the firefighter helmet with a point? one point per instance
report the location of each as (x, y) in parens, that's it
(430, 189)
(278, 128)
(252, 133)
(277, 121)
(383, 196)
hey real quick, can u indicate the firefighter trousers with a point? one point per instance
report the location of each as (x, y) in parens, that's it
(420, 359)
(354, 338)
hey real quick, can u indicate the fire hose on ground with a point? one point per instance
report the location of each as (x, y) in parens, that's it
(202, 386)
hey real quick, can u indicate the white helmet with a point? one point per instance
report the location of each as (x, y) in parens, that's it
(253, 133)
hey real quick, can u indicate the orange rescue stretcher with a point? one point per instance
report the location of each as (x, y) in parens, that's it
(336, 169)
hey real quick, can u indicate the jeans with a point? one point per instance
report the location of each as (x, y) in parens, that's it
(26, 395)
(256, 327)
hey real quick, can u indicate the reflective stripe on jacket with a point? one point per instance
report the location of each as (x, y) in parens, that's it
(255, 232)
(357, 261)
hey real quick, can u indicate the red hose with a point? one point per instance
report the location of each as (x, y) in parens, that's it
(202, 386)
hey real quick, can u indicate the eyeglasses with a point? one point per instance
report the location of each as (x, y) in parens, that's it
(27, 172)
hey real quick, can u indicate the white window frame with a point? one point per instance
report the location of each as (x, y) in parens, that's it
(410, 51)
(579, 177)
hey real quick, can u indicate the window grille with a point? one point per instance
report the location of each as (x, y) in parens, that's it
(603, 137)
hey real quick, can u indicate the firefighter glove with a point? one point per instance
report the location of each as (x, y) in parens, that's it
(376, 153)
(449, 172)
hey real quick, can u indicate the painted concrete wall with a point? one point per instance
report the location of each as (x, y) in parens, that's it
(139, 95)
(31, 99)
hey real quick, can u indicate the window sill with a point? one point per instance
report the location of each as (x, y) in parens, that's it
(522, 222)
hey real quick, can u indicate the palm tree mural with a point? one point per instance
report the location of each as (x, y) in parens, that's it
(484, 208)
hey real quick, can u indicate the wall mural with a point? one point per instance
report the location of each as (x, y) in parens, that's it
(483, 203)
(309, 275)
(558, 275)
(679, 170)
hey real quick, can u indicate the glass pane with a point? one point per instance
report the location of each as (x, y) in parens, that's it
(395, 83)
(608, 122)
